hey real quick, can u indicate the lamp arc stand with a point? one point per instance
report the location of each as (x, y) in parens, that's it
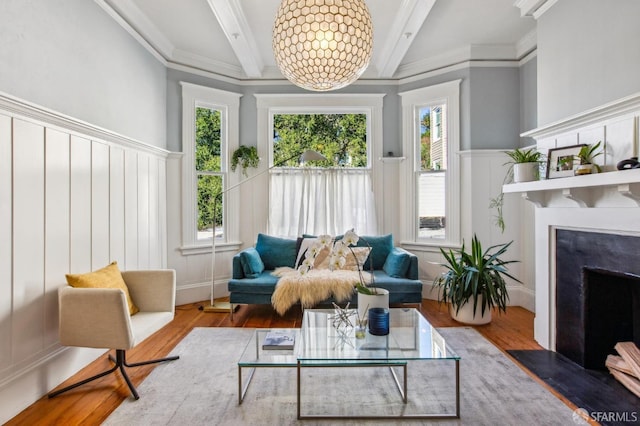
(216, 307)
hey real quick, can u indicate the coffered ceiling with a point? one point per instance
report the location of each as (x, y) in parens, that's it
(232, 38)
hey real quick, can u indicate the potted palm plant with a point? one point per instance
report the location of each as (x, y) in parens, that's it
(474, 282)
(525, 164)
(587, 155)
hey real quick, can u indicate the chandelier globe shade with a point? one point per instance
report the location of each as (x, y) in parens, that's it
(322, 45)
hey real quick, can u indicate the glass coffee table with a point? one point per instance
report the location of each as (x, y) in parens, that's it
(411, 342)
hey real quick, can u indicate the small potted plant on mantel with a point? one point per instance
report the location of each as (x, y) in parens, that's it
(474, 282)
(525, 164)
(586, 155)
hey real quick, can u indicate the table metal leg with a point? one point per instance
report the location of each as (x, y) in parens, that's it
(243, 391)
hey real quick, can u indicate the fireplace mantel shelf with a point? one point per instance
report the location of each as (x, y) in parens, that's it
(580, 189)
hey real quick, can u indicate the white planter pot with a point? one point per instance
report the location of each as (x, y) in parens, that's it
(365, 301)
(465, 314)
(525, 172)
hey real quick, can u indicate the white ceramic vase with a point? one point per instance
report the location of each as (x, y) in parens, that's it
(525, 172)
(465, 314)
(367, 301)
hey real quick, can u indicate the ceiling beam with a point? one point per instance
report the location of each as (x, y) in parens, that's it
(234, 23)
(411, 15)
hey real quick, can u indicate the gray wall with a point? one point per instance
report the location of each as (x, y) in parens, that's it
(71, 57)
(528, 98)
(494, 108)
(588, 55)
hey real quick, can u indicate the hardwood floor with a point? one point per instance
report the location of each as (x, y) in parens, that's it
(92, 403)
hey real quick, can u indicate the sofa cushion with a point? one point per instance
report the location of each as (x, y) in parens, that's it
(107, 277)
(397, 263)
(381, 246)
(252, 264)
(276, 252)
(265, 283)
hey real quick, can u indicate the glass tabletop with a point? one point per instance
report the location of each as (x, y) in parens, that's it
(255, 355)
(411, 337)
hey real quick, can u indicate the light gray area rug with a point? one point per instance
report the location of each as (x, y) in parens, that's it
(202, 388)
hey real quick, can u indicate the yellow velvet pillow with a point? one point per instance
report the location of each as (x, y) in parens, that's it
(107, 277)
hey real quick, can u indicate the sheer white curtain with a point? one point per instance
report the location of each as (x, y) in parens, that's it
(321, 201)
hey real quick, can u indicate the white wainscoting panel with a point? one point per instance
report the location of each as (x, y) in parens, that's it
(5, 242)
(57, 220)
(116, 206)
(80, 205)
(73, 197)
(100, 255)
(28, 234)
(131, 209)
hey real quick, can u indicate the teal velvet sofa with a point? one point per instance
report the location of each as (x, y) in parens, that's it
(394, 269)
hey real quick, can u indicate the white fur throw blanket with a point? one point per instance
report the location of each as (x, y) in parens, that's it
(313, 287)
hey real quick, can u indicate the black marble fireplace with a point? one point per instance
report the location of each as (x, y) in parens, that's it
(597, 294)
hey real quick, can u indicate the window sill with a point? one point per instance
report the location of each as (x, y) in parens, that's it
(428, 246)
(201, 248)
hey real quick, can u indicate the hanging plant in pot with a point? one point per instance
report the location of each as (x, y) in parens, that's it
(245, 157)
(474, 282)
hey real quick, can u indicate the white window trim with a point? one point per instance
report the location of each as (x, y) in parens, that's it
(412, 100)
(229, 104)
(369, 103)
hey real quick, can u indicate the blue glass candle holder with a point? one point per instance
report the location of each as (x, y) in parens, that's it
(379, 321)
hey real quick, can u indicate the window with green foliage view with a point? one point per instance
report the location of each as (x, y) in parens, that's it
(432, 172)
(341, 138)
(208, 171)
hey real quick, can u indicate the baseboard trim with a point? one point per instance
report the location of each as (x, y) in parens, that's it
(197, 292)
(518, 295)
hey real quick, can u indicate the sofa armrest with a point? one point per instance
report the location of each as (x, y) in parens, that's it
(152, 290)
(236, 267)
(413, 273)
(94, 318)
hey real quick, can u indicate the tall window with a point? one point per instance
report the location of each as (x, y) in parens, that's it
(208, 170)
(327, 196)
(431, 142)
(210, 132)
(432, 171)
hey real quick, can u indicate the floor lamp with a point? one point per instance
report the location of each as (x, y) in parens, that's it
(214, 306)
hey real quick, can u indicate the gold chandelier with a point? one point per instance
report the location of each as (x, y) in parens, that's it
(322, 44)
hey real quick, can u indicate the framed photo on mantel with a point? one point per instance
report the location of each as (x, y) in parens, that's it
(562, 161)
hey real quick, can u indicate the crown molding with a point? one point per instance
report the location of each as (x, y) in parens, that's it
(527, 44)
(190, 59)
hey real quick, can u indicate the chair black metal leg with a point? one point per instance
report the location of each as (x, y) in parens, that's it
(75, 385)
(120, 362)
(151, 361)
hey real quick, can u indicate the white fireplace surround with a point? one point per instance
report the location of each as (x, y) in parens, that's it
(608, 202)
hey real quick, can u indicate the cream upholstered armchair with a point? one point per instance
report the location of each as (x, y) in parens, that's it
(99, 318)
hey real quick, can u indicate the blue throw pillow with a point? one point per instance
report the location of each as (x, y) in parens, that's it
(251, 262)
(381, 246)
(397, 263)
(276, 252)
